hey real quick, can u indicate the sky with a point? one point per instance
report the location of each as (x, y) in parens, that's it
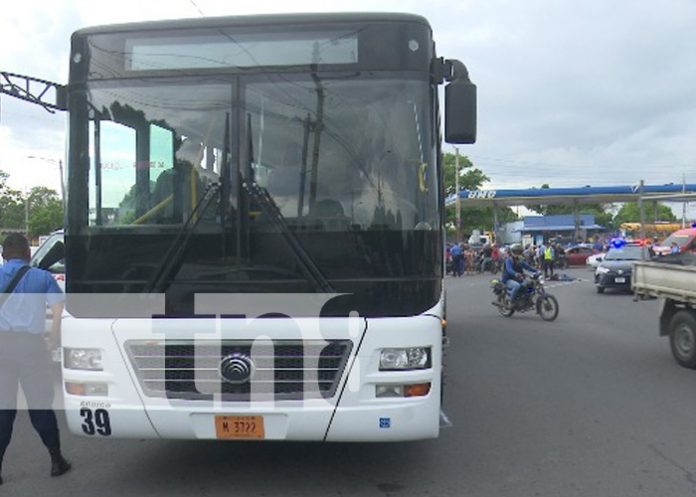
(569, 93)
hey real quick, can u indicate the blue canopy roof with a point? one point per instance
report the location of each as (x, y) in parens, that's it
(625, 193)
(558, 222)
(560, 227)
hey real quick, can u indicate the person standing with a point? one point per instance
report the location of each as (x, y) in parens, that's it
(560, 260)
(548, 256)
(540, 255)
(495, 257)
(23, 350)
(469, 257)
(456, 252)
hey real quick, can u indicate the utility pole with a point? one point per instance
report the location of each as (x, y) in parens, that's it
(457, 202)
(26, 211)
(641, 207)
(684, 201)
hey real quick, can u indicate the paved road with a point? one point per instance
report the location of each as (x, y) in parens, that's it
(590, 405)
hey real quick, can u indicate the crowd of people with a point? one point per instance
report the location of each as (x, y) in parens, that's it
(464, 259)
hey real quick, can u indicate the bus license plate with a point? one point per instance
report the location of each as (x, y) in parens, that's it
(234, 427)
(620, 280)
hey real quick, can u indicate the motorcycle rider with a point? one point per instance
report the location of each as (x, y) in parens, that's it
(513, 271)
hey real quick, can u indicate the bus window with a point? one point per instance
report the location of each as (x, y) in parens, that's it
(117, 153)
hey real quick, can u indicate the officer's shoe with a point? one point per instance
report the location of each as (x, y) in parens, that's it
(59, 465)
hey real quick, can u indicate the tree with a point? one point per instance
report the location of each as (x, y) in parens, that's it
(45, 211)
(470, 178)
(601, 212)
(11, 205)
(654, 211)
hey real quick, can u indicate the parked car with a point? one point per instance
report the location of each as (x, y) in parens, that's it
(57, 268)
(595, 260)
(616, 268)
(577, 255)
(685, 240)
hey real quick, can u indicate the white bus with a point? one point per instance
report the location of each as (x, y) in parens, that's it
(254, 241)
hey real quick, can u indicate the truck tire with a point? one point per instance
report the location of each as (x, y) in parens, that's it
(682, 338)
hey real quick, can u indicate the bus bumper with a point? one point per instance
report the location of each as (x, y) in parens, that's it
(353, 414)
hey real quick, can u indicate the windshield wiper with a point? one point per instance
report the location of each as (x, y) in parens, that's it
(269, 207)
(172, 260)
(310, 270)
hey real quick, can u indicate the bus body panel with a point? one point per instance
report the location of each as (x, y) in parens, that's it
(360, 416)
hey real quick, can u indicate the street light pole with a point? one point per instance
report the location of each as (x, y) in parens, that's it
(26, 211)
(457, 200)
(62, 182)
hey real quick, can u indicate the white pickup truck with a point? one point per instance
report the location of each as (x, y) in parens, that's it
(673, 281)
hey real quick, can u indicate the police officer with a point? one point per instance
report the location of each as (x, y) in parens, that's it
(23, 353)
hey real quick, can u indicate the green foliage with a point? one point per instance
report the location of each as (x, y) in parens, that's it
(601, 212)
(470, 178)
(45, 210)
(11, 205)
(654, 211)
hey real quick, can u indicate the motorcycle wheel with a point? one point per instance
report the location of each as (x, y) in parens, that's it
(547, 307)
(504, 310)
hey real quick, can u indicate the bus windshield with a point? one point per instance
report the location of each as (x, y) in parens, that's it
(346, 161)
(356, 150)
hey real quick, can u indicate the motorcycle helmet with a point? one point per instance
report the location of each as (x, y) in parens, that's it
(516, 249)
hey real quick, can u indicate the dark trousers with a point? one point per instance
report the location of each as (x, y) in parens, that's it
(458, 264)
(548, 267)
(24, 360)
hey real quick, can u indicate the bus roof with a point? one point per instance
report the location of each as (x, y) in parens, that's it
(254, 20)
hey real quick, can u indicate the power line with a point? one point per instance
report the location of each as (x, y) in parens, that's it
(197, 8)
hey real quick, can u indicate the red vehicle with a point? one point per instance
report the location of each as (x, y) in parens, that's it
(577, 256)
(685, 240)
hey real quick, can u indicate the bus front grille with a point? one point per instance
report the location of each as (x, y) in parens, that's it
(236, 370)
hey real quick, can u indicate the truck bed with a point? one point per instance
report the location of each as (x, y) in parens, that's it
(673, 281)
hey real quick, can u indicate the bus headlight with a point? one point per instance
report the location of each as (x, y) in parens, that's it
(85, 359)
(404, 359)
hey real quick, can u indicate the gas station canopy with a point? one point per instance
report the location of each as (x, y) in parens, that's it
(587, 194)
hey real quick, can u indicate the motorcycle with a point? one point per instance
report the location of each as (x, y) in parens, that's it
(488, 264)
(532, 296)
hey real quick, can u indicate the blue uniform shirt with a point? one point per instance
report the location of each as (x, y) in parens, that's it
(510, 269)
(25, 309)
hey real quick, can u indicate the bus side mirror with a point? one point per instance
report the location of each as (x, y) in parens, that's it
(460, 106)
